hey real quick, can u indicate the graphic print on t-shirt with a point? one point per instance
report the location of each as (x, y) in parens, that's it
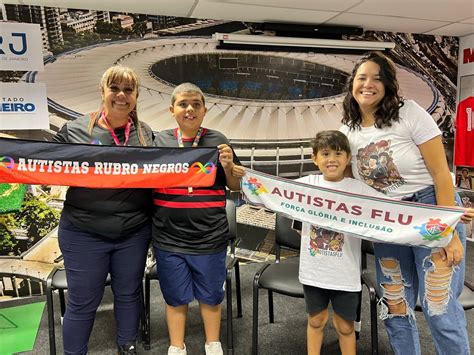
(376, 167)
(325, 242)
(466, 202)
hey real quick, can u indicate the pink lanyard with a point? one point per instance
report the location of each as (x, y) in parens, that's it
(195, 144)
(112, 132)
(196, 138)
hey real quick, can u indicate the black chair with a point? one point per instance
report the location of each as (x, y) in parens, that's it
(232, 263)
(57, 281)
(281, 276)
(369, 280)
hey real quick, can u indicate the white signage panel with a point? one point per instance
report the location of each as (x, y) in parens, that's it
(21, 46)
(23, 106)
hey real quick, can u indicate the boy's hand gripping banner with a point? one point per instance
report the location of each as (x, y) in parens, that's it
(375, 219)
(97, 166)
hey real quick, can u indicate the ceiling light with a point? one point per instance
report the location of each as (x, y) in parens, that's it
(260, 42)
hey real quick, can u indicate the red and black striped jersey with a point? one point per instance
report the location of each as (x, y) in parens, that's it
(191, 222)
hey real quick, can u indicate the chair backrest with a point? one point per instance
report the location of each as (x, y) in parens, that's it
(231, 218)
(232, 221)
(367, 248)
(467, 296)
(285, 236)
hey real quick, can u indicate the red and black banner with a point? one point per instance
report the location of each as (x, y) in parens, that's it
(96, 166)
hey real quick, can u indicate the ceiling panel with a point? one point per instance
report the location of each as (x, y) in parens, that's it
(455, 29)
(320, 5)
(443, 10)
(386, 23)
(468, 20)
(417, 16)
(258, 13)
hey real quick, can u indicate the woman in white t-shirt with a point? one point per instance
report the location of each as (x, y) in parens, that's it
(397, 149)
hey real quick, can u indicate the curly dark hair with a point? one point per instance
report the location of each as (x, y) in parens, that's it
(387, 112)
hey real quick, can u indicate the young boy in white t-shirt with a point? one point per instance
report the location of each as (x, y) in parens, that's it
(329, 260)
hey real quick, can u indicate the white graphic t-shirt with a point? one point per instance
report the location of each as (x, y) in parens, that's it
(388, 159)
(330, 259)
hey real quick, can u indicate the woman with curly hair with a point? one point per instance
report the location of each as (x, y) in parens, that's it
(375, 112)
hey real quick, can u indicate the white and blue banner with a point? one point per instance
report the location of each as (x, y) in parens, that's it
(21, 46)
(23, 106)
(375, 219)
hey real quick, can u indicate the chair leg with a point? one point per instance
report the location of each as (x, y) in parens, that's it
(270, 307)
(357, 322)
(237, 289)
(230, 334)
(373, 323)
(255, 318)
(49, 302)
(62, 304)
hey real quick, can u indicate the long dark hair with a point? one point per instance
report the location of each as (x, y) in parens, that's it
(387, 112)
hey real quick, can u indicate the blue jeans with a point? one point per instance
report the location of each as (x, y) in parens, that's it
(419, 277)
(88, 258)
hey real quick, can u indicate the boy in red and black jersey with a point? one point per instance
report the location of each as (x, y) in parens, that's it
(190, 230)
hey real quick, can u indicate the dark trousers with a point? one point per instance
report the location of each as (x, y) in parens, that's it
(88, 259)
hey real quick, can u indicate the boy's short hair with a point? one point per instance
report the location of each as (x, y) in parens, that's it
(186, 87)
(331, 139)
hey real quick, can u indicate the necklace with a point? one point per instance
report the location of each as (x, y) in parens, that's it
(112, 132)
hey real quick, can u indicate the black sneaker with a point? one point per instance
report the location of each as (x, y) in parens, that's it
(128, 349)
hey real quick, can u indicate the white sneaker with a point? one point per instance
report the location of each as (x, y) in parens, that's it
(174, 350)
(213, 348)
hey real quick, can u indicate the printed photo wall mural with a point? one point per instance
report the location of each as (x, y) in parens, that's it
(269, 104)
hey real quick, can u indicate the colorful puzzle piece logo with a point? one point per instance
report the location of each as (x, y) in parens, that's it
(255, 186)
(434, 230)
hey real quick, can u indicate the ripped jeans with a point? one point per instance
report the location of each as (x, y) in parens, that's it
(412, 269)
